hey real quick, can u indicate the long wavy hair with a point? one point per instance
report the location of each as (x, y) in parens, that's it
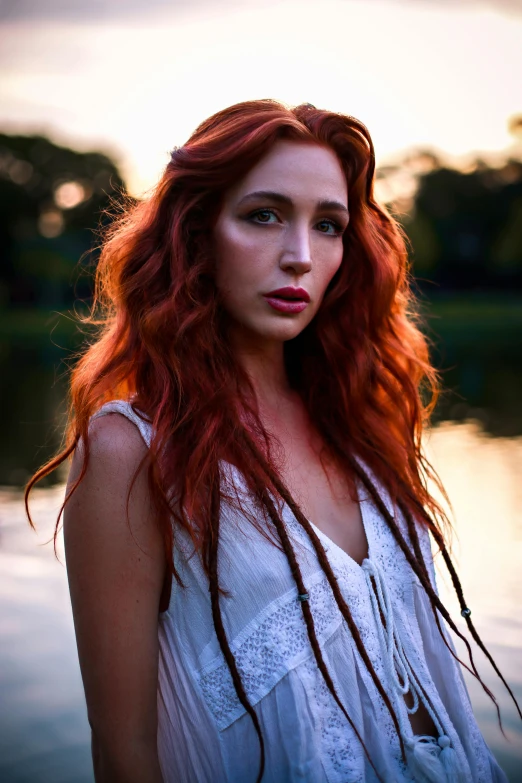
(361, 367)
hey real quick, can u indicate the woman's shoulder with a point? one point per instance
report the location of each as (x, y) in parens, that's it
(113, 436)
(116, 450)
(118, 441)
(119, 423)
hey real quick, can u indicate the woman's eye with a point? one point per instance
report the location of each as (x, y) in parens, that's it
(263, 216)
(329, 227)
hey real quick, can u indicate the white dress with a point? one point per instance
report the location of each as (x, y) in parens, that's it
(204, 733)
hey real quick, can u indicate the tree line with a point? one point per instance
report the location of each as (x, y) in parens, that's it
(464, 227)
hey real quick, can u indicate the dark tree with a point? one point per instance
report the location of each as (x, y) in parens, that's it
(466, 228)
(52, 199)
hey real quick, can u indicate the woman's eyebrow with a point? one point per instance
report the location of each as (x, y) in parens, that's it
(282, 199)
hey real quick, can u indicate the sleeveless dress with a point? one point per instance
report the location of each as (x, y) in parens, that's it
(204, 733)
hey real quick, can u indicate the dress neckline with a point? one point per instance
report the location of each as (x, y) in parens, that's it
(328, 543)
(364, 504)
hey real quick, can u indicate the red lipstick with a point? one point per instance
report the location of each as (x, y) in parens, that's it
(288, 299)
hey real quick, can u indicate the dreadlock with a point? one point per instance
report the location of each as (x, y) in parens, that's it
(163, 342)
(218, 619)
(434, 599)
(415, 560)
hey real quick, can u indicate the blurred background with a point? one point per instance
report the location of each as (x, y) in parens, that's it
(93, 96)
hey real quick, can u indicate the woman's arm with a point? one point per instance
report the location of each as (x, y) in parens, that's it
(116, 572)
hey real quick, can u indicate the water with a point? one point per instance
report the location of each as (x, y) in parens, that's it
(44, 735)
(482, 476)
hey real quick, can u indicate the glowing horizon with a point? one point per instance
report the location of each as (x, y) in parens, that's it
(416, 75)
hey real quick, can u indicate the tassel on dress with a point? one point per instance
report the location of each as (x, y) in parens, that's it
(423, 756)
(449, 761)
(430, 760)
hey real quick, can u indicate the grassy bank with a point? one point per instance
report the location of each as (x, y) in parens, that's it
(493, 318)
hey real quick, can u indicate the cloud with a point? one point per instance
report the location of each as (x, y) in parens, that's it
(93, 11)
(509, 6)
(89, 11)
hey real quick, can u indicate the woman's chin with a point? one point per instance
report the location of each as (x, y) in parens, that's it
(270, 333)
(285, 330)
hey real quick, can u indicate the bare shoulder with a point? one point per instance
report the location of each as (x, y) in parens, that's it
(116, 566)
(112, 503)
(115, 445)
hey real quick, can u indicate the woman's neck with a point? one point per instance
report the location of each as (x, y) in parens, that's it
(265, 367)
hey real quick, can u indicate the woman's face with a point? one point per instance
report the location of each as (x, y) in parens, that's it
(278, 240)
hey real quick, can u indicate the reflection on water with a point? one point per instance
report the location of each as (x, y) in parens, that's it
(483, 381)
(43, 729)
(44, 733)
(482, 476)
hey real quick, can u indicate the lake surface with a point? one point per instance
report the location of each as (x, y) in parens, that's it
(44, 735)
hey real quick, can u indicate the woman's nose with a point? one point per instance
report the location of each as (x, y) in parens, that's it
(297, 253)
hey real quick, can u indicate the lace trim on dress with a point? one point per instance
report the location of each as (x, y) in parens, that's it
(274, 646)
(482, 766)
(427, 756)
(479, 747)
(343, 754)
(351, 579)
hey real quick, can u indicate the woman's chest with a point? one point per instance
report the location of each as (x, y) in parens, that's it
(260, 586)
(263, 618)
(324, 495)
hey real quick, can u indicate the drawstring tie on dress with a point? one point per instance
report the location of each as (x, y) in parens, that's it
(429, 759)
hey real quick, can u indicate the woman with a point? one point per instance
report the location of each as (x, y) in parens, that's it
(248, 422)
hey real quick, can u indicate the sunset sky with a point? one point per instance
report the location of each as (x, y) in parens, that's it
(134, 78)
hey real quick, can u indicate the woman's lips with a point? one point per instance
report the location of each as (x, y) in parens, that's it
(286, 305)
(288, 299)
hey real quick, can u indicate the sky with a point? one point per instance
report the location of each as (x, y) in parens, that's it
(134, 78)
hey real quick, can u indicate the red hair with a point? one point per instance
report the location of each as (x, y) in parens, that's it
(361, 367)
(358, 366)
